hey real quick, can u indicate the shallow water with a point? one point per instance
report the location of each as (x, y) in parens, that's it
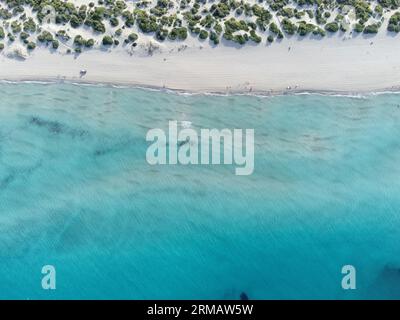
(76, 192)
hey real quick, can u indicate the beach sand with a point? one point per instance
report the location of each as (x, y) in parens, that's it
(331, 64)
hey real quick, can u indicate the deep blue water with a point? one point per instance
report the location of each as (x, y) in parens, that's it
(76, 192)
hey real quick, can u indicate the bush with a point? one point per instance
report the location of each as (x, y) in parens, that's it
(359, 27)
(45, 37)
(146, 22)
(107, 41)
(161, 34)
(203, 34)
(15, 27)
(332, 27)
(2, 34)
(89, 43)
(378, 9)
(31, 46)
(319, 32)
(394, 23)
(114, 21)
(220, 10)
(63, 35)
(214, 37)
(305, 28)
(79, 41)
(29, 25)
(1, 46)
(75, 21)
(55, 44)
(372, 28)
(274, 28)
(178, 33)
(288, 26)
(255, 37)
(133, 37)
(23, 35)
(287, 12)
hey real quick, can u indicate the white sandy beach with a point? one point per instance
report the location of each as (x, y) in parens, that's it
(329, 64)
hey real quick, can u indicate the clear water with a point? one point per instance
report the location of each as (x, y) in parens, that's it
(77, 193)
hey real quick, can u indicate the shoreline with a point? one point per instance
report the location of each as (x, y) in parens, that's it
(261, 94)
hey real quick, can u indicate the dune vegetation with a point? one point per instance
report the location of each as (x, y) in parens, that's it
(81, 25)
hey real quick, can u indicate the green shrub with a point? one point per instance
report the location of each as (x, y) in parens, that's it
(394, 23)
(31, 46)
(332, 27)
(305, 28)
(162, 34)
(29, 25)
(23, 35)
(79, 41)
(319, 32)
(372, 28)
(89, 43)
(62, 34)
(55, 44)
(75, 21)
(220, 10)
(203, 34)
(214, 37)
(378, 9)
(359, 27)
(288, 26)
(16, 27)
(178, 33)
(255, 37)
(133, 37)
(147, 23)
(45, 37)
(107, 41)
(114, 21)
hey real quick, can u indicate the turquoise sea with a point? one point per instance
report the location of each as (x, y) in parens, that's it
(76, 192)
